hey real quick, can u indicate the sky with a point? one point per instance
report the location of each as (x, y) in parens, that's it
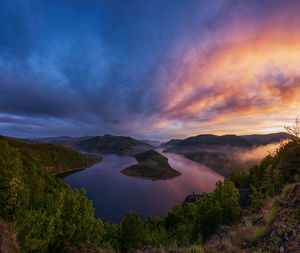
(154, 69)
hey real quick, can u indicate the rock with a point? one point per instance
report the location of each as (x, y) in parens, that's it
(281, 250)
(285, 236)
(193, 198)
(274, 233)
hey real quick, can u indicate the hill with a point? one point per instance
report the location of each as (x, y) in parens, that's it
(53, 158)
(264, 139)
(60, 140)
(151, 165)
(219, 161)
(120, 145)
(210, 141)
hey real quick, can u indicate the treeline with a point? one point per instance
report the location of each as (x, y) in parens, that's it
(51, 217)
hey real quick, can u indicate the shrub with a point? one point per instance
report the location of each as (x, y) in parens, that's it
(208, 217)
(228, 197)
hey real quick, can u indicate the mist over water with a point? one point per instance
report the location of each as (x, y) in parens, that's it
(259, 152)
(113, 193)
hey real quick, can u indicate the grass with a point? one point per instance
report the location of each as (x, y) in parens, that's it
(259, 230)
(195, 249)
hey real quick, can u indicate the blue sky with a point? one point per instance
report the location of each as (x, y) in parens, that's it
(141, 68)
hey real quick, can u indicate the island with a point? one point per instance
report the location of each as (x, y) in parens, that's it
(151, 165)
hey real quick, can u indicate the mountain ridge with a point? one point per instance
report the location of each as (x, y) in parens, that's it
(120, 145)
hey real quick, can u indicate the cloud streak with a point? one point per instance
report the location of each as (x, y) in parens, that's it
(156, 70)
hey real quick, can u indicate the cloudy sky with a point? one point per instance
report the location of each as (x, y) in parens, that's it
(154, 69)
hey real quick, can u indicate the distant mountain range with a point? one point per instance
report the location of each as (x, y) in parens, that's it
(264, 139)
(124, 145)
(222, 153)
(121, 145)
(210, 140)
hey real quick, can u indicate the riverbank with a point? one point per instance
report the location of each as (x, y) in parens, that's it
(150, 178)
(70, 171)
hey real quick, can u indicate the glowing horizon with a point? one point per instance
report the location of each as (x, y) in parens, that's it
(137, 69)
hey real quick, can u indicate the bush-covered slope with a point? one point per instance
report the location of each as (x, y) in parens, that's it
(151, 165)
(47, 214)
(53, 158)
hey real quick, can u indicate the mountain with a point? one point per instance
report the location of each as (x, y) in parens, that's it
(222, 153)
(206, 142)
(60, 140)
(120, 145)
(211, 142)
(264, 139)
(151, 165)
(53, 158)
(155, 144)
(221, 162)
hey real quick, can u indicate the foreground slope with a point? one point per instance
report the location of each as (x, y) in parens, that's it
(53, 158)
(151, 165)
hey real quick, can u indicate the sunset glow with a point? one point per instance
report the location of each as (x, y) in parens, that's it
(214, 67)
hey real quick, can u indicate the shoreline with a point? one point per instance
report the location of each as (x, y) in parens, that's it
(61, 173)
(150, 178)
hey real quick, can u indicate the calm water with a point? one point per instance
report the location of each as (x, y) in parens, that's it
(112, 193)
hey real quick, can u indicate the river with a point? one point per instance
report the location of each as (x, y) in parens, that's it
(113, 193)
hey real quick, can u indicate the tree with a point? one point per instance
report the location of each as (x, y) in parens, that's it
(131, 232)
(11, 185)
(155, 233)
(228, 197)
(208, 218)
(257, 199)
(294, 130)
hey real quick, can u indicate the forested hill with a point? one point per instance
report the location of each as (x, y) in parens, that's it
(210, 140)
(120, 145)
(53, 158)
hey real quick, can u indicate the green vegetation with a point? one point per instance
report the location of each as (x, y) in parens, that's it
(48, 216)
(151, 165)
(120, 145)
(53, 158)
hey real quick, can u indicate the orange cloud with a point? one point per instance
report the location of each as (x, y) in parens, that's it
(247, 76)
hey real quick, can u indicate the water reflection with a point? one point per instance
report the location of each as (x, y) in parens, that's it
(112, 193)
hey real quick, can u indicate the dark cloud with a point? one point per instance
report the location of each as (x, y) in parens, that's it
(90, 67)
